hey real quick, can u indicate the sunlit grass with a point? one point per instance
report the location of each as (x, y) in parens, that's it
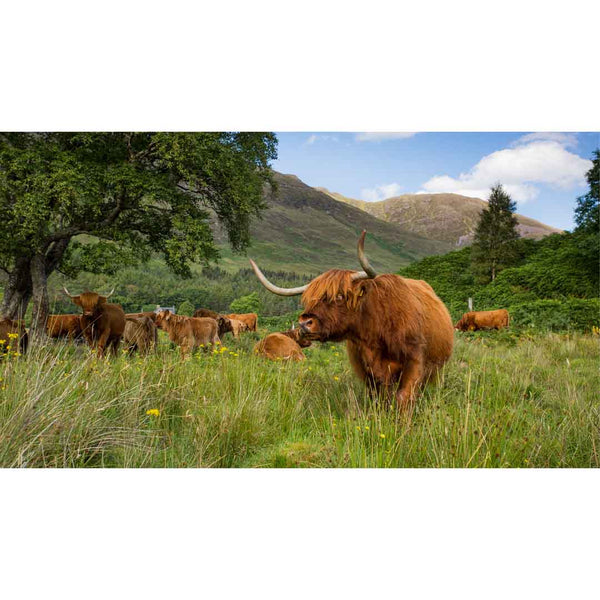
(505, 400)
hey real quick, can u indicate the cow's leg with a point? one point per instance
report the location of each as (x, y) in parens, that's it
(102, 341)
(412, 375)
(114, 344)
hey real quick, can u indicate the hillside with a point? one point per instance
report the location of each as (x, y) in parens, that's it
(306, 231)
(448, 217)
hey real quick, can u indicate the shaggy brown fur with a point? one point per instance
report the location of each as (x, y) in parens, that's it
(102, 324)
(188, 332)
(251, 319)
(298, 336)
(483, 319)
(237, 327)
(279, 346)
(206, 312)
(149, 314)
(61, 326)
(398, 332)
(140, 334)
(13, 326)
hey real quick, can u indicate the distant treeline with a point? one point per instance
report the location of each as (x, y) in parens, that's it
(553, 285)
(142, 288)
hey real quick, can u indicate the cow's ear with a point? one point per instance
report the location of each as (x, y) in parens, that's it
(76, 300)
(102, 299)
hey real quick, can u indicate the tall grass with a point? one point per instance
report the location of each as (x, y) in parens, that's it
(505, 400)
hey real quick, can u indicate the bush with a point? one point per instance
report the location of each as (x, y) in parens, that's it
(557, 315)
(246, 304)
(186, 309)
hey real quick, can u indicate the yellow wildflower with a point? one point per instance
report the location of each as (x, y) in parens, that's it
(154, 412)
(382, 436)
(2, 341)
(357, 428)
(13, 335)
(366, 427)
(336, 378)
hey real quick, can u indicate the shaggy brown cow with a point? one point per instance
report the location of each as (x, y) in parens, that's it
(483, 319)
(206, 312)
(61, 326)
(398, 332)
(237, 327)
(188, 332)
(149, 314)
(251, 319)
(102, 324)
(281, 346)
(140, 334)
(9, 328)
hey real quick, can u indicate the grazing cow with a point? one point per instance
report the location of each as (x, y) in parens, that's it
(102, 324)
(251, 319)
(149, 314)
(188, 332)
(483, 319)
(140, 334)
(284, 346)
(64, 326)
(206, 312)
(223, 323)
(398, 332)
(10, 331)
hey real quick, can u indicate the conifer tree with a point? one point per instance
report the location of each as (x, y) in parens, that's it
(494, 242)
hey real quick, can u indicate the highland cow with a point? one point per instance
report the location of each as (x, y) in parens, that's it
(398, 333)
(286, 345)
(483, 319)
(102, 324)
(188, 332)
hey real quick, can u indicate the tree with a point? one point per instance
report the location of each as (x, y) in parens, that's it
(587, 233)
(186, 308)
(129, 194)
(587, 211)
(246, 304)
(494, 245)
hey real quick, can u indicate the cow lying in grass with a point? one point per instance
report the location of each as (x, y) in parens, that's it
(285, 345)
(188, 332)
(140, 334)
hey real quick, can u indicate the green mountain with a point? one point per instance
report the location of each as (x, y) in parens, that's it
(307, 231)
(448, 217)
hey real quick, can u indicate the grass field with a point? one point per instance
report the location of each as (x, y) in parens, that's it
(506, 400)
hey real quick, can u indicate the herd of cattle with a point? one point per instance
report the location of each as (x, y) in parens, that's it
(104, 326)
(398, 332)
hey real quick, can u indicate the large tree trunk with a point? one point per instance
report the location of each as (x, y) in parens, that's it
(41, 305)
(18, 290)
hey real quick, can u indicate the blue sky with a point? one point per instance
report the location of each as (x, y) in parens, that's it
(543, 172)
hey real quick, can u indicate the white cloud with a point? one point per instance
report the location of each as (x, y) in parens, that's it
(564, 139)
(518, 169)
(380, 192)
(381, 136)
(323, 137)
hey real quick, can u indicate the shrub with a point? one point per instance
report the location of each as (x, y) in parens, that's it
(186, 309)
(246, 304)
(557, 315)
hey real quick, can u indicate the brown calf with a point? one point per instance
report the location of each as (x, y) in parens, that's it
(140, 334)
(251, 319)
(61, 326)
(280, 346)
(188, 332)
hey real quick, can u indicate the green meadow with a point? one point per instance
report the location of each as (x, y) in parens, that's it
(506, 399)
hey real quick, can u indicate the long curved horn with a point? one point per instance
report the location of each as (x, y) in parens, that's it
(274, 288)
(111, 293)
(362, 257)
(66, 291)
